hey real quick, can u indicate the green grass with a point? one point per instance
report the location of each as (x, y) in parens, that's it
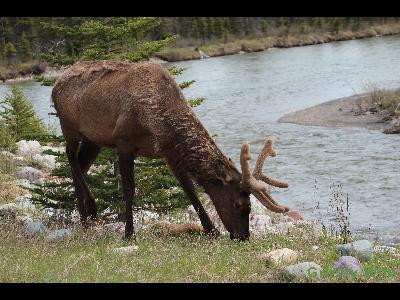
(161, 258)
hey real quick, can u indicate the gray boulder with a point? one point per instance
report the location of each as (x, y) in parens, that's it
(362, 249)
(60, 233)
(348, 265)
(31, 174)
(302, 270)
(8, 210)
(34, 228)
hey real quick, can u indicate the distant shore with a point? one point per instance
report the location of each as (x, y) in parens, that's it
(239, 46)
(343, 112)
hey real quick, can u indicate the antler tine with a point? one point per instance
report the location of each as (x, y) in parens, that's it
(251, 184)
(267, 150)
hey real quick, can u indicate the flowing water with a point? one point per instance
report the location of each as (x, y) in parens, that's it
(246, 95)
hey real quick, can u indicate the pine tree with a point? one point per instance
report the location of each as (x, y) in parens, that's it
(20, 117)
(25, 47)
(9, 52)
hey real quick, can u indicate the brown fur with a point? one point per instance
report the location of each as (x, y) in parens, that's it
(139, 109)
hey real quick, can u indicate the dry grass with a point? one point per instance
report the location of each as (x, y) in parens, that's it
(9, 190)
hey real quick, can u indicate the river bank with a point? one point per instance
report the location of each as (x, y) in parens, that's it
(240, 46)
(28, 71)
(367, 110)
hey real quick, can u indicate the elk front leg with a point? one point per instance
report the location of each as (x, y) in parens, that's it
(189, 189)
(126, 165)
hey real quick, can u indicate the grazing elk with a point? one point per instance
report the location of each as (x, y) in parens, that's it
(139, 109)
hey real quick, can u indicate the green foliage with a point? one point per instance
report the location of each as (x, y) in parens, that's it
(9, 51)
(303, 27)
(114, 38)
(48, 81)
(25, 47)
(7, 140)
(19, 116)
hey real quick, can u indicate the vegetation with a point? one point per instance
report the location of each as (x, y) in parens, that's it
(87, 257)
(19, 117)
(64, 40)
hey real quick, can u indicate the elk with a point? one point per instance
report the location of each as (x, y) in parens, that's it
(139, 109)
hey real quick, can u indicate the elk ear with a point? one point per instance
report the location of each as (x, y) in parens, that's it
(222, 173)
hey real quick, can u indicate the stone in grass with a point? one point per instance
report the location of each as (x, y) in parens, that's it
(281, 256)
(348, 265)
(34, 228)
(60, 233)
(125, 250)
(31, 174)
(362, 249)
(302, 270)
(8, 210)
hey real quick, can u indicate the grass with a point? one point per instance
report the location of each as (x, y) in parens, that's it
(86, 257)
(177, 52)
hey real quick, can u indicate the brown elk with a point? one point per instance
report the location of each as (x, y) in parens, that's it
(139, 109)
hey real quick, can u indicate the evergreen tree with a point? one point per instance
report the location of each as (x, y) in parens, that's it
(19, 116)
(113, 38)
(26, 50)
(9, 52)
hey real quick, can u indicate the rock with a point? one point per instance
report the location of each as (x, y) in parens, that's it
(362, 249)
(34, 228)
(28, 149)
(8, 210)
(31, 174)
(294, 215)
(118, 227)
(314, 248)
(125, 250)
(24, 219)
(348, 265)
(260, 222)
(48, 161)
(283, 227)
(25, 203)
(302, 270)
(60, 233)
(281, 256)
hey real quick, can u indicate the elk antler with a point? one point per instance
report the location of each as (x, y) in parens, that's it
(250, 181)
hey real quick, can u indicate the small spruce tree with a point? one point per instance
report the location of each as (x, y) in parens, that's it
(25, 47)
(9, 52)
(19, 116)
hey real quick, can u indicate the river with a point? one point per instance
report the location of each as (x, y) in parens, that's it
(247, 93)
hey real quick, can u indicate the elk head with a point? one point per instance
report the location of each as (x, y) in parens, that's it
(235, 190)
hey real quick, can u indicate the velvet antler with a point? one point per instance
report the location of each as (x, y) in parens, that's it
(250, 181)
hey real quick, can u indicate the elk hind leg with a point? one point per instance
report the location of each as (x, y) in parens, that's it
(87, 154)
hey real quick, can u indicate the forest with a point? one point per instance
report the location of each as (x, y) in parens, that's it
(23, 39)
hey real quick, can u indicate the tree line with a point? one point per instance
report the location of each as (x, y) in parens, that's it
(25, 38)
